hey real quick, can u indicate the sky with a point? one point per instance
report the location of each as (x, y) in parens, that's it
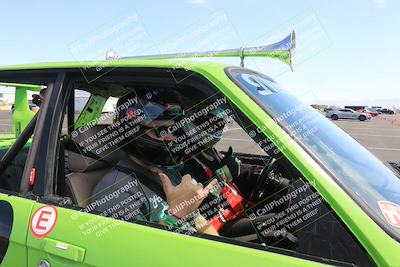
(347, 50)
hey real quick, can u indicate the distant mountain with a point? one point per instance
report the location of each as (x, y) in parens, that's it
(386, 103)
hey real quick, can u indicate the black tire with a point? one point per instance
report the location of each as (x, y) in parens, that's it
(334, 117)
(362, 118)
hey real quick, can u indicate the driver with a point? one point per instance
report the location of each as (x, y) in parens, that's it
(224, 208)
(147, 184)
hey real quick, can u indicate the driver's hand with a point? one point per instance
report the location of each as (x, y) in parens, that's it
(186, 197)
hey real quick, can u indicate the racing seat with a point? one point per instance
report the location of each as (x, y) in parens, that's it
(85, 175)
(87, 171)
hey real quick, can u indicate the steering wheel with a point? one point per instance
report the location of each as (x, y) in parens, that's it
(263, 179)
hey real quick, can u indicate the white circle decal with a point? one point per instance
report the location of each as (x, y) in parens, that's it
(43, 221)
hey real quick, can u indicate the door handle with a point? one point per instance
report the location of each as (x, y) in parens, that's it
(62, 249)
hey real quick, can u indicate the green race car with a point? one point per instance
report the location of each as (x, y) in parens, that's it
(328, 200)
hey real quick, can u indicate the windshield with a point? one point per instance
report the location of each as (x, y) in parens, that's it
(373, 185)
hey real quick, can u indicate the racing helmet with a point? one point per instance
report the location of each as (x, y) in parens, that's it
(209, 122)
(147, 124)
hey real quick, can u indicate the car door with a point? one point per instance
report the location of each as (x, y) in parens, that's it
(15, 146)
(81, 239)
(344, 114)
(353, 114)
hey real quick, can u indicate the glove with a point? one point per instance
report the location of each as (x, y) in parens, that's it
(232, 163)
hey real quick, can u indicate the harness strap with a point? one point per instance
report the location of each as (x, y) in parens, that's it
(154, 187)
(206, 169)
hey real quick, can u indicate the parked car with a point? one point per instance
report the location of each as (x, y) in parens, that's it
(347, 113)
(385, 111)
(370, 111)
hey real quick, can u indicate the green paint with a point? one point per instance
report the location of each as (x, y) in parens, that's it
(91, 112)
(22, 115)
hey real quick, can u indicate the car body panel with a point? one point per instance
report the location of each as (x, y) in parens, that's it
(16, 253)
(370, 112)
(122, 63)
(132, 244)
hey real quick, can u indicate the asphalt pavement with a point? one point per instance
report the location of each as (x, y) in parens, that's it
(380, 135)
(5, 122)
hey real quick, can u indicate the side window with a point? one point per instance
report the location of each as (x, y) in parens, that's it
(80, 99)
(16, 112)
(234, 133)
(107, 114)
(187, 160)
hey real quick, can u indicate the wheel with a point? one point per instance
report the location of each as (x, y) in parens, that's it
(362, 118)
(334, 117)
(258, 190)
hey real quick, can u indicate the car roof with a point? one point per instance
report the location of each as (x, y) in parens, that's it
(194, 65)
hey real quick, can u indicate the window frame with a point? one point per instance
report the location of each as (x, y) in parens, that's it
(49, 78)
